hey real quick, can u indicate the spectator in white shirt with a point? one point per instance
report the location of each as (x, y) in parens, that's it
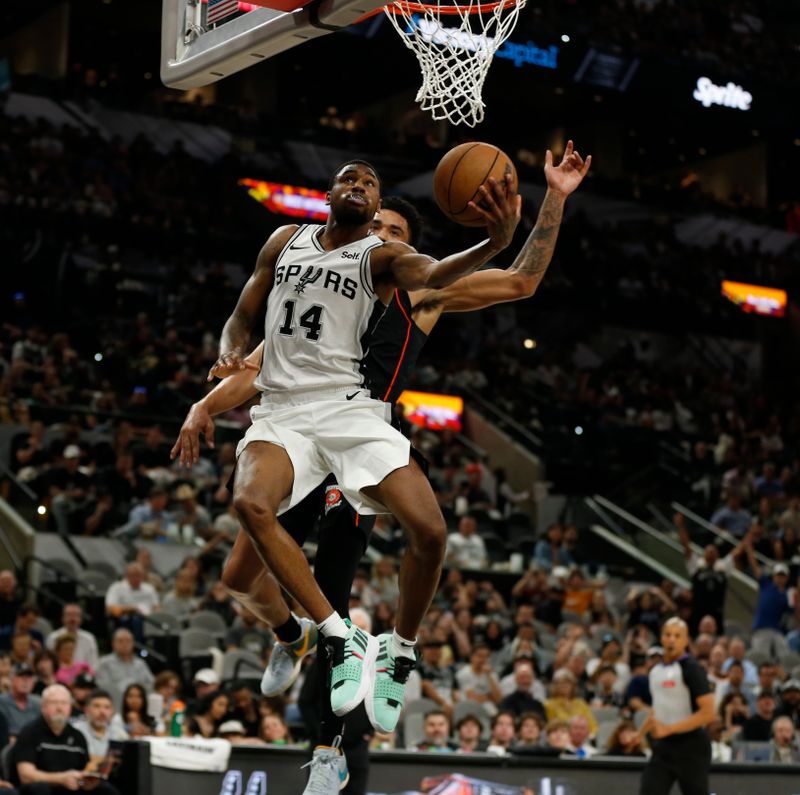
(465, 548)
(86, 645)
(477, 681)
(128, 600)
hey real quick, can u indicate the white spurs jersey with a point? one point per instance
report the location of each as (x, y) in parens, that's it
(318, 313)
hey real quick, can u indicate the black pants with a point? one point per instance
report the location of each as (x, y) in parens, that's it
(341, 546)
(683, 758)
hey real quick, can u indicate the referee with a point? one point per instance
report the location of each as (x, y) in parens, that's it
(683, 706)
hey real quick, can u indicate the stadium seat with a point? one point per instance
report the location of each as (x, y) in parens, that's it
(196, 641)
(5, 761)
(639, 717)
(604, 731)
(770, 641)
(162, 624)
(241, 664)
(606, 715)
(43, 625)
(93, 583)
(750, 751)
(209, 621)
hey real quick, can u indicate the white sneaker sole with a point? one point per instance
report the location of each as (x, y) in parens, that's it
(367, 678)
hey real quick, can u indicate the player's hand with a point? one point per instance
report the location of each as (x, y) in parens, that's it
(500, 209)
(659, 730)
(187, 445)
(565, 177)
(228, 364)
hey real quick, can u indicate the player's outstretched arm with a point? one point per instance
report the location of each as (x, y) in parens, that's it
(229, 393)
(409, 270)
(237, 330)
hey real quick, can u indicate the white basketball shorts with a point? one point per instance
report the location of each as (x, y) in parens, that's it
(340, 431)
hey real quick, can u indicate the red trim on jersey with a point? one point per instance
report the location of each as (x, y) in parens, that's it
(405, 344)
(358, 516)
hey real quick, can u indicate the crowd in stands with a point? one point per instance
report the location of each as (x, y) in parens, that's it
(554, 657)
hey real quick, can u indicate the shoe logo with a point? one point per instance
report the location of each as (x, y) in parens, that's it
(295, 248)
(350, 397)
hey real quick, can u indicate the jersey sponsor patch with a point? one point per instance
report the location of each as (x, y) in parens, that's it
(333, 497)
(669, 683)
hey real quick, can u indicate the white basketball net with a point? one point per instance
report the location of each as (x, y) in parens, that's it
(453, 57)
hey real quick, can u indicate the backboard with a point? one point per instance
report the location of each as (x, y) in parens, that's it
(195, 52)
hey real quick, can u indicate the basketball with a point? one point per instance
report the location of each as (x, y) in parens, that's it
(461, 172)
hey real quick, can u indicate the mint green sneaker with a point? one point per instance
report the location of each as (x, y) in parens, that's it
(286, 659)
(352, 668)
(384, 702)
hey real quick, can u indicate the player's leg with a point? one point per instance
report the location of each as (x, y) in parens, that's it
(657, 776)
(264, 479)
(694, 766)
(407, 493)
(248, 581)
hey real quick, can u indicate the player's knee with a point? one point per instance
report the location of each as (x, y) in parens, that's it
(253, 510)
(430, 540)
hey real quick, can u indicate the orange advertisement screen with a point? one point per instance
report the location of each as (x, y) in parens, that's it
(432, 411)
(288, 199)
(755, 299)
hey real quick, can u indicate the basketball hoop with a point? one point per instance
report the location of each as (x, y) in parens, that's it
(454, 59)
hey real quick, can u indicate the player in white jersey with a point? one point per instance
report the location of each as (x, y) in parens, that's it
(317, 417)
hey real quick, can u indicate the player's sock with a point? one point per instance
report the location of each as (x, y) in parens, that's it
(333, 626)
(403, 647)
(289, 631)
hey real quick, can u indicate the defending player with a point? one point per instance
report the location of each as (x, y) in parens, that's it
(394, 348)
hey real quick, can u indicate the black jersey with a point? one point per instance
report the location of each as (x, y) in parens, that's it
(394, 348)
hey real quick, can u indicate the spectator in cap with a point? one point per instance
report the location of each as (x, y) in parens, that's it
(192, 522)
(122, 667)
(758, 727)
(50, 755)
(234, 732)
(468, 735)
(790, 701)
(18, 706)
(773, 594)
(81, 689)
(465, 548)
(86, 643)
(472, 490)
(69, 488)
(783, 745)
(205, 683)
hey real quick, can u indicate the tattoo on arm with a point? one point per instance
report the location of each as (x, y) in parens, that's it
(537, 252)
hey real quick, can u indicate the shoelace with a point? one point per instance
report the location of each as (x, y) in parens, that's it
(403, 666)
(331, 761)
